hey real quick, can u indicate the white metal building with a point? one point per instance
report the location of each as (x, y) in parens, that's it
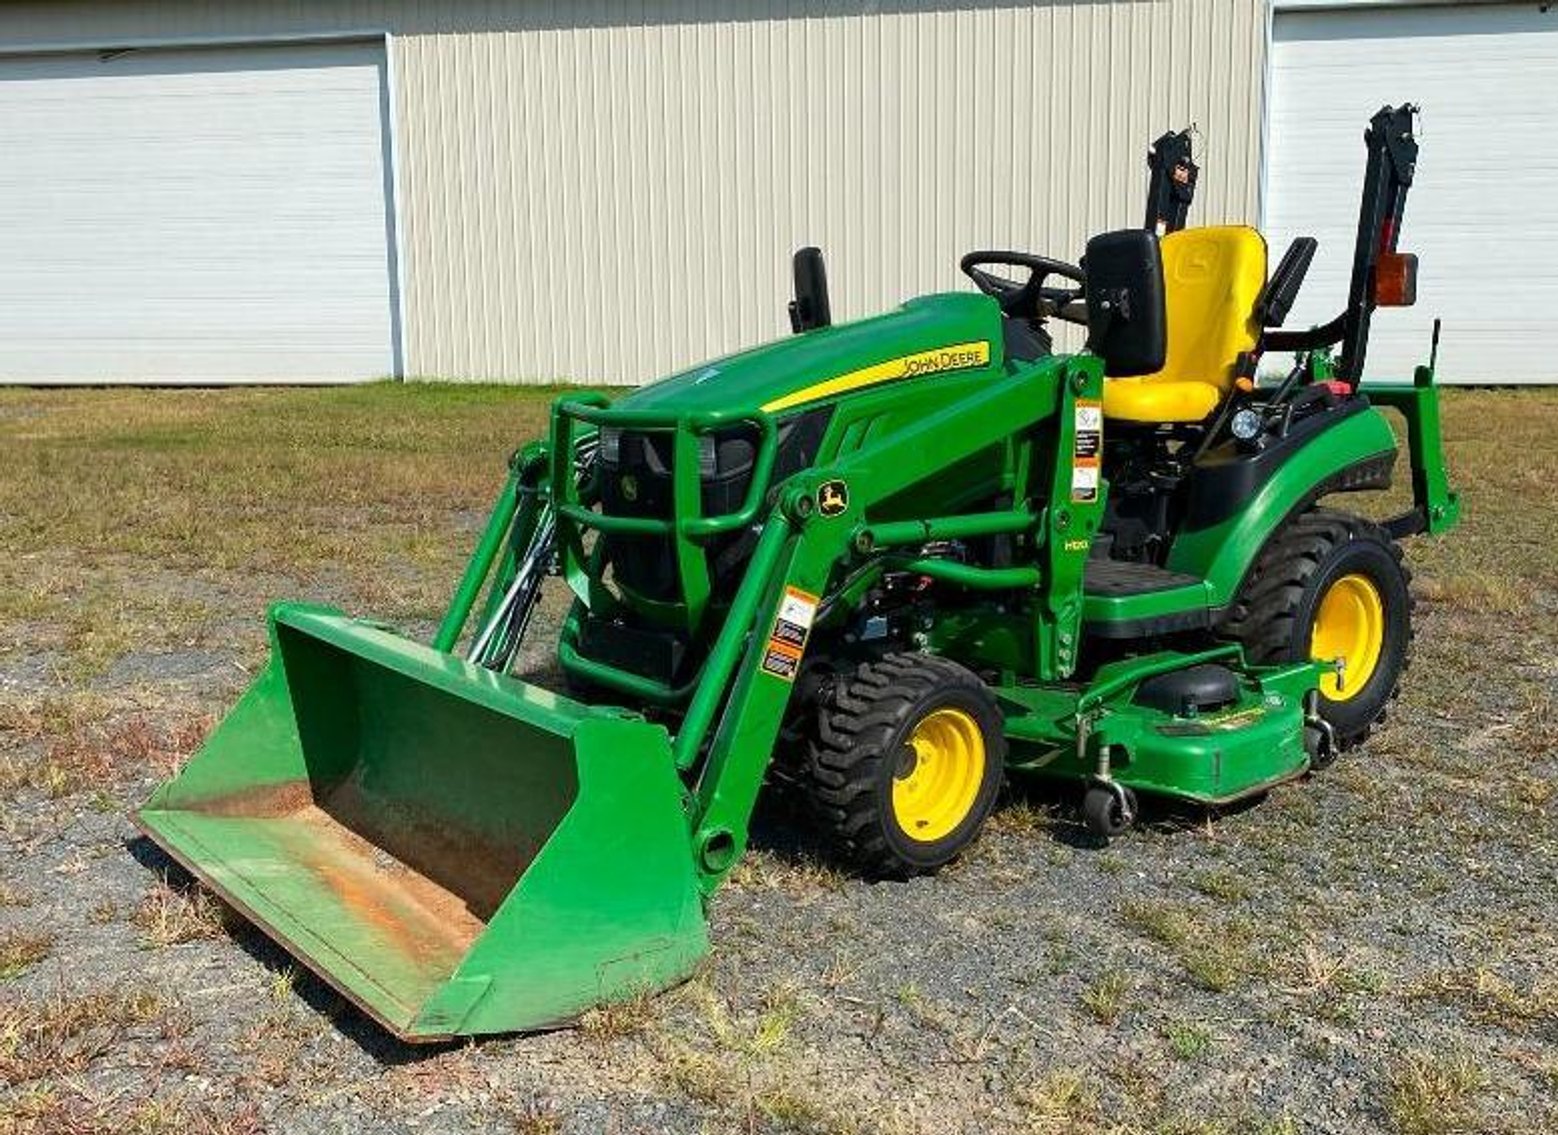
(1483, 210)
(606, 190)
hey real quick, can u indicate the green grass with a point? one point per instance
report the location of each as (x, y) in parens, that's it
(140, 525)
(135, 519)
(1106, 997)
(1187, 1040)
(100, 489)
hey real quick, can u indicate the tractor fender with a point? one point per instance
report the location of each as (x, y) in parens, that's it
(1236, 508)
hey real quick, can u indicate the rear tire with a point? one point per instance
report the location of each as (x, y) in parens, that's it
(905, 763)
(1332, 584)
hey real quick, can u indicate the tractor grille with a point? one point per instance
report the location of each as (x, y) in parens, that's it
(635, 480)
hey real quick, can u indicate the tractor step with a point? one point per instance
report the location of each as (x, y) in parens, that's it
(1129, 600)
(1116, 578)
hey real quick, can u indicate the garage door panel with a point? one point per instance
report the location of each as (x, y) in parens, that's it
(1481, 215)
(193, 216)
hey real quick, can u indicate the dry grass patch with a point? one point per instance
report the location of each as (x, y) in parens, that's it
(168, 916)
(63, 1034)
(85, 745)
(619, 1019)
(759, 1097)
(50, 1111)
(12, 895)
(20, 950)
(530, 1117)
(1059, 1103)
(1215, 957)
(1473, 590)
(1493, 999)
(1024, 818)
(1106, 997)
(1429, 1094)
(1222, 884)
(275, 1044)
(796, 876)
(1324, 973)
(747, 1063)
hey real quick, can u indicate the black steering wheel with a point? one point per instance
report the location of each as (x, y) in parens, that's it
(1023, 300)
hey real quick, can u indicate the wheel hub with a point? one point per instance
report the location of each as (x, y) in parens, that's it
(1349, 630)
(938, 776)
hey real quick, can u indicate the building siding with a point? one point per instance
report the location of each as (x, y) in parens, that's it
(608, 190)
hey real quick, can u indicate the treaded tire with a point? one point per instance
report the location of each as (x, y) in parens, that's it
(863, 724)
(1274, 614)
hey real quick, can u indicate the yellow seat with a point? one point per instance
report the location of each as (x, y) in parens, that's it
(1211, 277)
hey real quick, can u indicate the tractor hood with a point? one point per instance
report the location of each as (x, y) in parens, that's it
(955, 331)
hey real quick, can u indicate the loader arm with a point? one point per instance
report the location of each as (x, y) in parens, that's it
(802, 548)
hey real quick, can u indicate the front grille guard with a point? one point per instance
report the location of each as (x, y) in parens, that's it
(687, 530)
(687, 521)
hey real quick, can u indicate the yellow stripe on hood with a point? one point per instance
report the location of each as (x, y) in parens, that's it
(958, 356)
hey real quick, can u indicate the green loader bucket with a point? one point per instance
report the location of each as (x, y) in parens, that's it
(456, 851)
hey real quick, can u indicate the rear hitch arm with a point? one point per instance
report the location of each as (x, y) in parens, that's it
(1436, 507)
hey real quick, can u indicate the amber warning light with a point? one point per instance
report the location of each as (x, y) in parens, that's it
(1395, 279)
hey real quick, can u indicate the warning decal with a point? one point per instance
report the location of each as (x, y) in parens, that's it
(787, 640)
(1088, 452)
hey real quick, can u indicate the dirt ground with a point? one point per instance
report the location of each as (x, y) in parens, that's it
(1372, 949)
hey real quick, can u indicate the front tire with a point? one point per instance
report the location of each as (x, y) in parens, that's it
(905, 763)
(1109, 810)
(1331, 586)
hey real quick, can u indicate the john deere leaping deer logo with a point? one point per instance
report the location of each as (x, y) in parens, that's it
(832, 498)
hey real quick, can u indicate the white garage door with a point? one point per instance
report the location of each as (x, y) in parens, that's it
(193, 216)
(1482, 213)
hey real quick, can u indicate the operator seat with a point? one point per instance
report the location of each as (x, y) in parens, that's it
(1212, 277)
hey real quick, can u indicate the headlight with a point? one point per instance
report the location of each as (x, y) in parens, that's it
(610, 445)
(708, 456)
(1247, 425)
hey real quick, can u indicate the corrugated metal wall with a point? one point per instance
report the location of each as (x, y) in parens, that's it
(606, 190)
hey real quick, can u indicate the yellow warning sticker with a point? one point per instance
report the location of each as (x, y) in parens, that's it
(787, 640)
(1087, 456)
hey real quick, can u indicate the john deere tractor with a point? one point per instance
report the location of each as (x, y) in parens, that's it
(884, 564)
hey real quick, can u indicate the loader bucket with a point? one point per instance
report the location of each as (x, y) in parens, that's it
(454, 850)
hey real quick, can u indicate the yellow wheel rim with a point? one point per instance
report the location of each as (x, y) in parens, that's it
(938, 779)
(1350, 631)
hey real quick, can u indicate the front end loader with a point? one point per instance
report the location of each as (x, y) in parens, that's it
(880, 565)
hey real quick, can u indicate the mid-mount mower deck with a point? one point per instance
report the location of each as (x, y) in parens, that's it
(879, 565)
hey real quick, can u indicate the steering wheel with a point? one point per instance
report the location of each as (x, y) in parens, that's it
(1023, 300)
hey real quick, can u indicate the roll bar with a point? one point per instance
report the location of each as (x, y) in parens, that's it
(1392, 149)
(1173, 183)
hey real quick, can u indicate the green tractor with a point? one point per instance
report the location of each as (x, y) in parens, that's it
(882, 564)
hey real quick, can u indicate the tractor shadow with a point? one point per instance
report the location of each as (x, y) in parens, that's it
(1028, 807)
(1052, 810)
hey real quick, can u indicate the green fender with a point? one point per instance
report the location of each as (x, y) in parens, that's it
(1222, 553)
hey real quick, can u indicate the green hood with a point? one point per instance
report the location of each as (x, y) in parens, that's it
(929, 335)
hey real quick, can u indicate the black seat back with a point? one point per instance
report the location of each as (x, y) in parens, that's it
(1127, 315)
